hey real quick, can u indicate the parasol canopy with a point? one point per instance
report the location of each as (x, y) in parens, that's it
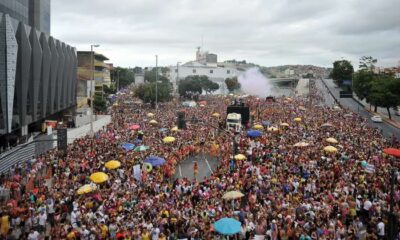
(297, 119)
(330, 149)
(392, 152)
(141, 148)
(216, 114)
(301, 144)
(113, 164)
(150, 114)
(254, 133)
(155, 161)
(134, 127)
(128, 146)
(98, 177)
(240, 157)
(326, 125)
(153, 122)
(258, 127)
(232, 195)
(175, 129)
(284, 124)
(87, 188)
(332, 140)
(227, 226)
(272, 129)
(168, 139)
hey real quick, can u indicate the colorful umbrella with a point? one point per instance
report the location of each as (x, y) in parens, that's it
(258, 126)
(232, 195)
(254, 133)
(240, 157)
(216, 114)
(98, 177)
(227, 226)
(272, 129)
(175, 129)
(297, 119)
(150, 115)
(326, 125)
(301, 144)
(153, 122)
(113, 164)
(155, 161)
(392, 152)
(141, 148)
(331, 140)
(163, 129)
(330, 149)
(284, 124)
(134, 127)
(128, 146)
(168, 139)
(302, 108)
(87, 188)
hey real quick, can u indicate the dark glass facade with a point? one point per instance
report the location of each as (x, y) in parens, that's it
(34, 13)
(17, 9)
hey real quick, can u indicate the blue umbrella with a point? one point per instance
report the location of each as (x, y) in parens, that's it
(227, 226)
(155, 161)
(254, 133)
(128, 146)
(163, 129)
(265, 123)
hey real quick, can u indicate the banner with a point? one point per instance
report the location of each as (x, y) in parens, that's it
(137, 172)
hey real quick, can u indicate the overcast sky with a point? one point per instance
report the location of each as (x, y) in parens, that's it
(266, 32)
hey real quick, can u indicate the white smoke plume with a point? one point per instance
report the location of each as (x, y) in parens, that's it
(255, 83)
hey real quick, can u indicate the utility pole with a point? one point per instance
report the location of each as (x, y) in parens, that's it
(156, 82)
(91, 90)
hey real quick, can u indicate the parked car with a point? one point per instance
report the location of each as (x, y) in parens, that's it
(376, 119)
(397, 111)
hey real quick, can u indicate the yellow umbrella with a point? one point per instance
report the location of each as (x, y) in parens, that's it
(87, 188)
(232, 195)
(168, 139)
(330, 149)
(258, 126)
(216, 114)
(331, 140)
(301, 144)
(113, 164)
(240, 157)
(153, 122)
(272, 129)
(98, 177)
(285, 124)
(175, 129)
(297, 119)
(150, 114)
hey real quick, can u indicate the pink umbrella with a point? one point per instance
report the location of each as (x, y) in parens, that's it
(134, 127)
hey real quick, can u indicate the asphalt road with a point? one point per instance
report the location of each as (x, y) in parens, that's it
(206, 165)
(354, 106)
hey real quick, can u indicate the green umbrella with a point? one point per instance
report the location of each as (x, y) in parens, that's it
(141, 148)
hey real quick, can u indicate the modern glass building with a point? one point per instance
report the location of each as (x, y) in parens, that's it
(37, 71)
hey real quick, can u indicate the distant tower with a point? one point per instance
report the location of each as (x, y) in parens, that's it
(198, 54)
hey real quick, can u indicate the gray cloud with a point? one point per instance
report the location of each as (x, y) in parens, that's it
(267, 32)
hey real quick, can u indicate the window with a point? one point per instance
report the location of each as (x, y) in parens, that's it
(194, 70)
(211, 71)
(228, 71)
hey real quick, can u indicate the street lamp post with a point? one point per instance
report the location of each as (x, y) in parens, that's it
(91, 89)
(156, 82)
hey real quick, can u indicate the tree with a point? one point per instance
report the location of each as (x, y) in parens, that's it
(147, 92)
(206, 84)
(362, 82)
(342, 70)
(109, 90)
(308, 75)
(190, 85)
(367, 63)
(232, 84)
(150, 76)
(124, 76)
(384, 92)
(99, 104)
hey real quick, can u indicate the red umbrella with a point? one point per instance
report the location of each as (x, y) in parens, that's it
(134, 127)
(392, 151)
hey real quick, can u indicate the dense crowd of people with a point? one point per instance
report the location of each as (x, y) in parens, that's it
(289, 192)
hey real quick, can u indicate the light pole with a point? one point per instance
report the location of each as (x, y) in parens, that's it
(177, 76)
(156, 82)
(91, 89)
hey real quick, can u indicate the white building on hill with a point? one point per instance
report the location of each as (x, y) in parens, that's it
(205, 64)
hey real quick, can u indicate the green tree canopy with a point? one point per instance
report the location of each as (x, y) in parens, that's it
(232, 84)
(190, 85)
(383, 92)
(124, 76)
(147, 92)
(342, 70)
(367, 63)
(150, 76)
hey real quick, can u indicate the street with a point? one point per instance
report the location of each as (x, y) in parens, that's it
(206, 165)
(350, 103)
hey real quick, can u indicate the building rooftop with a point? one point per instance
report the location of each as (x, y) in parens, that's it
(98, 56)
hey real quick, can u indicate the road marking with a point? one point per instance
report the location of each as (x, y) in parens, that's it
(180, 170)
(208, 164)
